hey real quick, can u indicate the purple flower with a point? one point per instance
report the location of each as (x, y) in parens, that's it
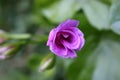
(66, 39)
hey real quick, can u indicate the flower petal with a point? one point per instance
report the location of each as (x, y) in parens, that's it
(74, 43)
(58, 51)
(2, 57)
(68, 23)
(52, 35)
(3, 49)
(70, 54)
(82, 42)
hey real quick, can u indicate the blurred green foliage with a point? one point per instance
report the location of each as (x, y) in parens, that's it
(99, 21)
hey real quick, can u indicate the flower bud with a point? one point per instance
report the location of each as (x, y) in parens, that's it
(48, 62)
(6, 51)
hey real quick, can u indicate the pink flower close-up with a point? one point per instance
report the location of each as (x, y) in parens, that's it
(66, 39)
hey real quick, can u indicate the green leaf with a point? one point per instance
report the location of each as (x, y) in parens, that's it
(103, 64)
(97, 14)
(108, 61)
(34, 61)
(107, 1)
(42, 3)
(116, 27)
(115, 17)
(61, 10)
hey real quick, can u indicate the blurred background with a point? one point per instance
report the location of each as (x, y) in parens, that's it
(99, 20)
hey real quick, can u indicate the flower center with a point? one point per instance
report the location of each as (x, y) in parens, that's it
(65, 35)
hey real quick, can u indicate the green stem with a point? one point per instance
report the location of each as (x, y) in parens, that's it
(19, 36)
